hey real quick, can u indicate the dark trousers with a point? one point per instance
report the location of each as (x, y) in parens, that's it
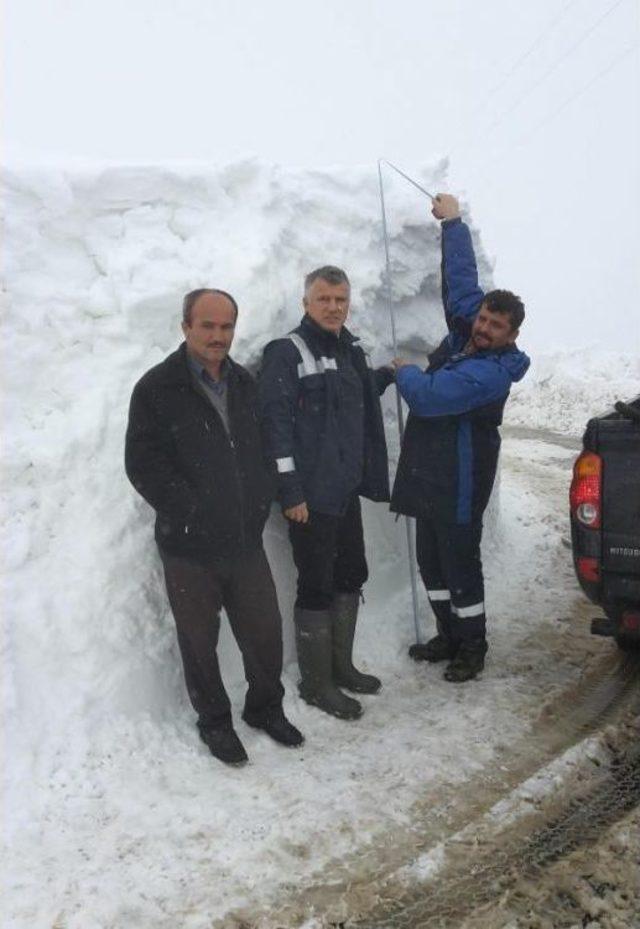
(244, 587)
(451, 569)
(328, 552)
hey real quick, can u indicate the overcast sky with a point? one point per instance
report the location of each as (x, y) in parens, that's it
(537, 105)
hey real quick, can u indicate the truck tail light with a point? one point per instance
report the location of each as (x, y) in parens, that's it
(631, 620)
(588, 569)
(585, 495)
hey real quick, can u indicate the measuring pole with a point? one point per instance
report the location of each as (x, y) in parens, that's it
(408, 521)
(406, 177)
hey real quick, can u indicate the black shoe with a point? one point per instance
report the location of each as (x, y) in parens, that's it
(469, 661)
(225, 745)
(436, 649)
(277, 726)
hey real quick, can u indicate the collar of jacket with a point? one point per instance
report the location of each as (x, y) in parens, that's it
(328, 341)
(177, 370)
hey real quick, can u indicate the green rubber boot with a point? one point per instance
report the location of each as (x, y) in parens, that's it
(344, 614)
(314, 645)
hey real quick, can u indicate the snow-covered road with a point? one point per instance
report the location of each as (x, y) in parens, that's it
(145, 829)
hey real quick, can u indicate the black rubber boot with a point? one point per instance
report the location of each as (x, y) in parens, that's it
(344, 615)
(468, 662)
(438, 648)
(314, 645)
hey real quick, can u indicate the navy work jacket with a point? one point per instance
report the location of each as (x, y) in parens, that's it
(451, 444)
(325, 438)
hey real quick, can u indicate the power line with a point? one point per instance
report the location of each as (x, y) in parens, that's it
(534, 45)
(583, 90)
(491, 93)
(585, 35)
(569, 100)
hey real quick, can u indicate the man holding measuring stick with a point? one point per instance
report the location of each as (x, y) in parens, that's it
(451, 444)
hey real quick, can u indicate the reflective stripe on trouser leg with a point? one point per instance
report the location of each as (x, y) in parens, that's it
(473, 611)
(433, 576)
(458, 557)
(434, 595)
(469, 620)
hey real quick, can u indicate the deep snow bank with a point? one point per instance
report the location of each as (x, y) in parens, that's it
(563, 389)
(96, 265)
(120, 816)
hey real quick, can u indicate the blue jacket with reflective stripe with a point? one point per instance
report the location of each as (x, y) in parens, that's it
(450, 448)
(323, 433)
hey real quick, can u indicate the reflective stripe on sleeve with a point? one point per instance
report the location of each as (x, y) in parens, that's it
(438, 595)
(467, 612)
(285, 465)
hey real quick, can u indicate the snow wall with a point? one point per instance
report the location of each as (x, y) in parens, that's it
(96, 264)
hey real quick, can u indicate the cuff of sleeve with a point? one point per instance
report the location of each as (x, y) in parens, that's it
(290, 495)
(387, 376)
(406, 371)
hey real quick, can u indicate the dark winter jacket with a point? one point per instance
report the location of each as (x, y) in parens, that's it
(322, 422)
(451, 444)
(211, 490)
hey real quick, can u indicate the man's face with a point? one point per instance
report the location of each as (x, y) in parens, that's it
(210, 333)
(492, 330)
(327, 304)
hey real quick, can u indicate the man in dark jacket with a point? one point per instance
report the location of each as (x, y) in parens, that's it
(323, 428)
(193, 451)
(450, 447)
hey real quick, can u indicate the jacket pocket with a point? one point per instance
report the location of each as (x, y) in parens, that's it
(313, 399)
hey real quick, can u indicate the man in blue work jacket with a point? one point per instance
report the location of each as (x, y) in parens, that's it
(323, 430)
(451, 444)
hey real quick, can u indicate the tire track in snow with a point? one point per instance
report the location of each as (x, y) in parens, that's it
(371, 890)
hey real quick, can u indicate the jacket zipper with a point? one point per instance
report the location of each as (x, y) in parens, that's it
(211, 408)
(243, 535)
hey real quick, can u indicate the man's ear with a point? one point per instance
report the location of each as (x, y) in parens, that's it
(185, 328)
(305, 303)
(513, 336)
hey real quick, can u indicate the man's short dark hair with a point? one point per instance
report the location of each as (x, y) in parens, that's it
(190, 299)
(328, 273)
(507, 303)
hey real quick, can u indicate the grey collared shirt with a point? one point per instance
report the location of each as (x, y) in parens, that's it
(215, 391)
